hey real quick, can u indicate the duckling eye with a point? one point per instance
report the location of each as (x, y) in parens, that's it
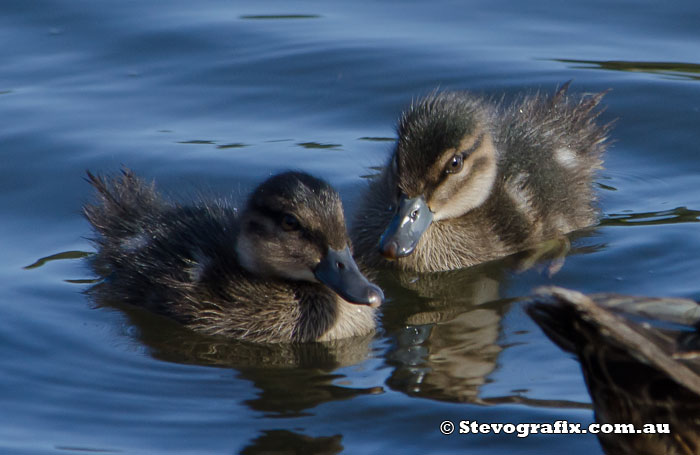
(290, 222)
(455, 164)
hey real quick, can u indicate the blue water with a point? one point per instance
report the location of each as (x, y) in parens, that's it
(213, 96)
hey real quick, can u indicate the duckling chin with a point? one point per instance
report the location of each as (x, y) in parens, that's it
(280, 271)
(470, 181)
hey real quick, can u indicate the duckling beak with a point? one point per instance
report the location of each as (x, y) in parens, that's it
(338, 271)
(404, 231)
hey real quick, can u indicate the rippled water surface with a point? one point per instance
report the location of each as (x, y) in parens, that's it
(213, 96)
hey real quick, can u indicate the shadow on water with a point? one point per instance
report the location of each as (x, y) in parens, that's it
(641, 361)
(678, 70)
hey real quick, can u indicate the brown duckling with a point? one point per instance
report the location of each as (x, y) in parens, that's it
(641, 361)
(279, 271)
(470, 180)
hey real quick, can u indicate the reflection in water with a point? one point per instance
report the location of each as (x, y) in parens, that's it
(57, 257)
(290, 377)
(197, 142)
(446, 327)
(676, 69)
(377, 139)
(280, 16)
(641, 361)
(283, 442)
(677, 215)
(232, 145)
(318, 145)
(62, 256)
(290, 392)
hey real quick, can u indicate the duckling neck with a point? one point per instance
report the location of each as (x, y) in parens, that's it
(325, 316)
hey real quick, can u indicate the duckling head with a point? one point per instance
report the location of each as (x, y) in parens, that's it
(444, 165)
(293, 228)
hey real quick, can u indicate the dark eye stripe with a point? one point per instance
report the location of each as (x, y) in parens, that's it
(476, 144)
(275, 215)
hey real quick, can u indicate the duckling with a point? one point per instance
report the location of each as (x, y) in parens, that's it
(280, 271)
(641, 362)
(470, 180)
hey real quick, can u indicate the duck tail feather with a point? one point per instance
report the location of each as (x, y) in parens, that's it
(122, 203)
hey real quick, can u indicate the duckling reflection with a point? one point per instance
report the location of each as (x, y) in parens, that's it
(289, 377)
(470, 180)
(641, 360)
(446, 330)
(282, 271)
(283, 442)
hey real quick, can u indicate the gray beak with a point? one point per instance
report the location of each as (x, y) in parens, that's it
(405, 229)
(338, 271)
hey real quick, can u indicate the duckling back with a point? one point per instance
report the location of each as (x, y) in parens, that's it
(471, 180)
(552, 149)
(155, 254)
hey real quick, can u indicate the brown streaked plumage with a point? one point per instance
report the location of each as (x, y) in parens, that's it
(273, 273)
(641, 361)
(471, 180)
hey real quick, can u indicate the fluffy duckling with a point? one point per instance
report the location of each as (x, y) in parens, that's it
(280, 271)
(641, 361)
(470, 180)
